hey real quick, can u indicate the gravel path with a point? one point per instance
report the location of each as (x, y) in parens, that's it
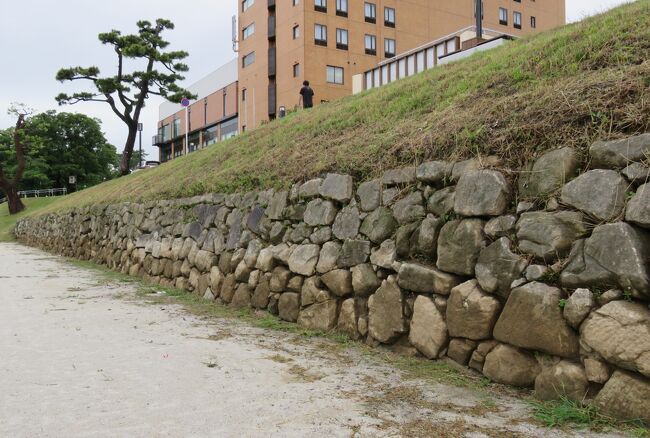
(82, 356)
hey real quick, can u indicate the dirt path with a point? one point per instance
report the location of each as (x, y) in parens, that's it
(85, 357)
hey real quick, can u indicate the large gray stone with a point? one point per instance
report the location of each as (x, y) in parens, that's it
(482, 193)
(384, 256)
(320, 212)
(404, 175)
(379, 225)
(364, 280)
(434, 172)
(205, 260)
(339, 281)
(471, 313)
(320, 316)
(386, 313)
(310, 189)
(347, 320)
(620, 333)
(428, 331)
(617, 154)
(289, 306)
(459, 246)
(512, 366)
(532, 319)
(353, 252)
(347, 222)
(460, 350)
(549, 173)
(242, 297)
(625, 395)
(409, 209)
(337, 187)
(615, 255)
(578, 307)
(425, 279)
(498, 267)
(369, 194)
(638, 209)
(441, 202)
(329, 255)
(260, 298)
(426, 236)
(599, 193)
(562, 380)
(502, 226)
(303, 259)
(277, 204)
(549, 236)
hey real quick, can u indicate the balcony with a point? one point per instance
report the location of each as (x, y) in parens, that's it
(157, 140)
(272, 62)
(271, 33)
(271, 4)
(272, 100)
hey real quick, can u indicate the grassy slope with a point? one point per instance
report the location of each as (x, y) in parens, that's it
(34, 206)
(564, 87)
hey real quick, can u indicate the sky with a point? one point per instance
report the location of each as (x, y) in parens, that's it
(38, 37)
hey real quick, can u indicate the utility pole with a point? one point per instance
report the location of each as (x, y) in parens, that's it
(140, 127)
(479, 19)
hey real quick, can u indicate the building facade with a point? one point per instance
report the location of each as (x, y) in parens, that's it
(212, 117)
(327, 42)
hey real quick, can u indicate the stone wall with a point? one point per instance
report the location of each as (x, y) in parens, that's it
(538, 278)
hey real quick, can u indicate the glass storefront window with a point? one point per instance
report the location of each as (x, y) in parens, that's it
(210, 136)
(228, 129)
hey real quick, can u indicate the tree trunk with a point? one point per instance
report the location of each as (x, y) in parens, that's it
(15, 203)
(128, 150)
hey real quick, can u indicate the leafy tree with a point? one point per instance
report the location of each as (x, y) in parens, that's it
(9, 185)
(127, 92)
(135, 159)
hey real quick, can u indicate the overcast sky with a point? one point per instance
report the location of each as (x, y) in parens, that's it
(38, 37)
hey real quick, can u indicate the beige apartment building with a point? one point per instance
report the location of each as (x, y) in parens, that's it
(327, 42)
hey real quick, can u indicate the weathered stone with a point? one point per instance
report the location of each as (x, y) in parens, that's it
(265, 261)
(277, 233)
(321, 235)
(353, 252)
(625, 395)
(339, 282)
(320, 316)
(637, 173)
(242, 272)
(279, 279)
(216, 280)
(364, 280)
(441, 203)
(599, 193)
(433, 172)
(596, 370)
(389, 195)
(385, 255)
(477, 359)
(638, 209)
(252, 252)
(578, 307)
(462, 167)
(369, 194)
(502, 226)
(310, 189)
(510, 365)
(459, 246)
(329, 255)
(460, 350)
(289, 306)
(260, 298)
(471, 313)
(386, 313)
(295, 283)
(549, 236)
(426, 236)
(615, 255)
(193, 230)
(428, 331)
(337, 187)
(277, 204)
(208, 295)
(608, 296)
(300, 233)
(205, 260)
(228, 288)
(409, 208)
(549, 173)
(617, 154)
(320, 212)
(404, 175)
(347, 222)
(379, 225)
(536, 272)
(562, 380)
(303, 259)
(498, 267)
(404, 238)
(481, 193)
(347, 321)
(524, 206)
(532, 318)
(425, 279)
(242, 297)
(620, 333)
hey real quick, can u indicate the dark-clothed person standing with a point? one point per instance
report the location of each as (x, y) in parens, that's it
(306, 95)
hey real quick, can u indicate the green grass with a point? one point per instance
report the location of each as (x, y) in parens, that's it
(7, 221)
(566, 87)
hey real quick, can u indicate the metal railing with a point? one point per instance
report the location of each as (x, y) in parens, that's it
(39, 193)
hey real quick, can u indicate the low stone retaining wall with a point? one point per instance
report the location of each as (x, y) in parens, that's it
(545, 285)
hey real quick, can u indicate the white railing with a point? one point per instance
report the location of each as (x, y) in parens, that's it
(39, 193)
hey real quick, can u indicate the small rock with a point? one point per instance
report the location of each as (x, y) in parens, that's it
(310, 189)
(549, 173)
(460, 350)
(596, 370)
(638, 209)
(404, 175)
(441, 203)
(578, 307)
(424, 279)
(536, 272)
(409, 209)
(502, 226)
(637, 173)
(434, 172)
(385, 256)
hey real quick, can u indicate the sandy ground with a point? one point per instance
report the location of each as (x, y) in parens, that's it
(82, 357)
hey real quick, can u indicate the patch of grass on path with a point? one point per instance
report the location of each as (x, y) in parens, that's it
(7, 222)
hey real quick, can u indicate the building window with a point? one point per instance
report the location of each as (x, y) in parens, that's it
(176, 128)
(342, 8)
(248, 31)
(210, 136)
(296, 2)
(533, 22)
(371, 45)
(225, 103)
(342, 39)
(516, 18)
(295, 33)
(229, 129)
(247, 4)
(503, 16)
(334, 75)
(370, 12)
(320, 35)
(320, 5)
(389, 17)
(389, 47)
(243, 95)
(296, 70)
(205, 112)
(248, 59)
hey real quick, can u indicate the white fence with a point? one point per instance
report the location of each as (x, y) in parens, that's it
(42, 193)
